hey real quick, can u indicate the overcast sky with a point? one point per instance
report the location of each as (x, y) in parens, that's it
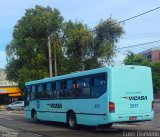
(142, 29)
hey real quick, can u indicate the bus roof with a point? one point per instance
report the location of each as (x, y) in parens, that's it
(74, 74)
(77, 74)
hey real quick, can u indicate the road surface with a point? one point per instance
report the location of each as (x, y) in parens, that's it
(13, 124)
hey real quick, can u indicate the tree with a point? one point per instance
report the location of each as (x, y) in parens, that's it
(155, 66)
(106, 35)
(27, 54)
(135, 59)
(88, 49)
(77, 46)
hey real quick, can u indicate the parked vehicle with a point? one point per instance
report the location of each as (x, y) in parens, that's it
(15, 105)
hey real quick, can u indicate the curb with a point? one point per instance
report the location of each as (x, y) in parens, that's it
(18, 112)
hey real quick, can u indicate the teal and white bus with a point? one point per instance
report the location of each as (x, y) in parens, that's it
(95, 97)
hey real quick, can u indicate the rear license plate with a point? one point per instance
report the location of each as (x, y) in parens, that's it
(132, 118)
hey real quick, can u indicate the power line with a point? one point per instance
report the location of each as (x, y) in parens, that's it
(140, 37)
(138, 15)
(139, 44)
(140, 34)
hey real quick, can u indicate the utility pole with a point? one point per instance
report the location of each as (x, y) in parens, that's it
(55, 61)
(50, 57)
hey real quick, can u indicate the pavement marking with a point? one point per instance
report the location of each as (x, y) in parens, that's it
(33, 134)
(2, 128)
(122, 125)
(9, 118)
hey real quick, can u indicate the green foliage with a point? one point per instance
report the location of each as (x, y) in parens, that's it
(88, 49)
(107, 34)
(77, 46)
(135, 59)
(27, 54)
(155, 66)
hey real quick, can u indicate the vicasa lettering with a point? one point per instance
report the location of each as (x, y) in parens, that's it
(55, 105)
(136, 97)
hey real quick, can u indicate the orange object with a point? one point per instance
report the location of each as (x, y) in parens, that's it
(9, 90)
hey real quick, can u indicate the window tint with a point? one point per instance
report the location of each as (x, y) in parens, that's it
(33, 89)
(33, 92)
(81, 87)
(68, 90)
(57, 89)
(28, 88)
(40, 93)
(28, 92)
(49, 87)
(98, 85)
(78, 87)
(49, 90)
(40, 87)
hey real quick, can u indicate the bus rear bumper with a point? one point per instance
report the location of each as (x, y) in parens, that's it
(114, 118)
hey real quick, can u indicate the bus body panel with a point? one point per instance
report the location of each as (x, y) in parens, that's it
(132, 93)
(89, 112)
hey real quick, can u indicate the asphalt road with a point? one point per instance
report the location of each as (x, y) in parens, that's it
(13, 124)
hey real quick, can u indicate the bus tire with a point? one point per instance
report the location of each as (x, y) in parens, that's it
(34, 117)
(9, 109)
(108, 125)
(71, 120)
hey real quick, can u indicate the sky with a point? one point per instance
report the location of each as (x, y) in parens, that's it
(142, 29)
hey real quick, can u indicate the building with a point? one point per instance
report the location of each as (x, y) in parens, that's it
(152, 54)
(9, 91)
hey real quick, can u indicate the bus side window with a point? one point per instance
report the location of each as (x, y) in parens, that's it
(63, 88)
(28, 93)
(40, 92)
(54, 88)
(98, 83)
(86, 92)
(57, 89)
(33, 92)
(49, 90)
(82, 87)
(68, 90)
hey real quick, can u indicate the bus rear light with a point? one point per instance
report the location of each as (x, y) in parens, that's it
(111, 107)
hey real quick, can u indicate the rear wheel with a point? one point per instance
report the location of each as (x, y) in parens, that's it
(34, 117)
(71, 120)
(108, 125)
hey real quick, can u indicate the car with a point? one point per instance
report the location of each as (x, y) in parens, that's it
(15, 105)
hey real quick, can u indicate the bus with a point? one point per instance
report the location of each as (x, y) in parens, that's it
(95, 97)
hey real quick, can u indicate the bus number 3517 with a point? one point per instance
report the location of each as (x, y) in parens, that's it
(133, 105)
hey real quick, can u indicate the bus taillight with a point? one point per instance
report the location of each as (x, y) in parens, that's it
(111, 107)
